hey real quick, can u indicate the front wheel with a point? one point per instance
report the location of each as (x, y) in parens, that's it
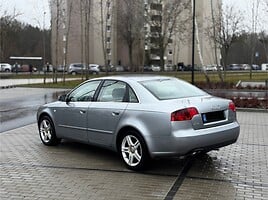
(133, 151)
(47, 131)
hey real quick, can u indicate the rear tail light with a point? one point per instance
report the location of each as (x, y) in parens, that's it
(184, 114)
(232, 106)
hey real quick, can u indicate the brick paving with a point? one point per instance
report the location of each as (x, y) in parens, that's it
(30, 170)
(239, 171)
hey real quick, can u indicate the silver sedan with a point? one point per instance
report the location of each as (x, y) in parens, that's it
(141, 117)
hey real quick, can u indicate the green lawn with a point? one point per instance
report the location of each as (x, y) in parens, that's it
(231, 77)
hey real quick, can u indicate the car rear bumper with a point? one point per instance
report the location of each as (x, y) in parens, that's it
(188, 141)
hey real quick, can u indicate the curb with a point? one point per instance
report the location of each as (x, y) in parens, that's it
(252, 110)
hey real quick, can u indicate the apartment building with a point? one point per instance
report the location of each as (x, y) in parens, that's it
(89, 31)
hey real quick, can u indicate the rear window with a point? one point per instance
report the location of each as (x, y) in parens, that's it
(164, 89)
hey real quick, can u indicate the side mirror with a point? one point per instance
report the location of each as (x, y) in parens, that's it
(62, 97)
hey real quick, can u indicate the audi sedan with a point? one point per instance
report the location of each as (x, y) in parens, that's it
(141, 117)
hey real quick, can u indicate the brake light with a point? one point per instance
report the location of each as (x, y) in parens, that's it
(232, 106)
(184, 114)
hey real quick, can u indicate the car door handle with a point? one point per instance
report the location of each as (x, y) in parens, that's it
(115, 113)
(82, 111)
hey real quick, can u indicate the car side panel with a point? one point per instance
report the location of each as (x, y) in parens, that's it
(71, 120)
(103, 118)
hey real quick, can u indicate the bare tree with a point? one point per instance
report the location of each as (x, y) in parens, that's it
(167, 18)
(67, 34)
(263, 34)
(5, 21)
(228, 25)
(213, 33)
(87, 12)
(82, 33)
(254, 38)
(130, 25)
(106, 17)
(57, 23)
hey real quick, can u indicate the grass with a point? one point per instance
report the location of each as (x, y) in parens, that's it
(35, 75)
(231, 77)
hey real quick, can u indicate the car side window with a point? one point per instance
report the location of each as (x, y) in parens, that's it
(112, 91)
(132, 97)
(116, 91)
(84, 92)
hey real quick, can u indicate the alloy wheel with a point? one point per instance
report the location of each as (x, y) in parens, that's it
(131, 150)
(45, 131)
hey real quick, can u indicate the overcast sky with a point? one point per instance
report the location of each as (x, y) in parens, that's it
(32, 11)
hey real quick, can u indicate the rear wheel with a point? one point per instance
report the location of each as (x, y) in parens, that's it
(133, 151)
(47, 131)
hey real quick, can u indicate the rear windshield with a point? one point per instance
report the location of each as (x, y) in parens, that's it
(165, 89)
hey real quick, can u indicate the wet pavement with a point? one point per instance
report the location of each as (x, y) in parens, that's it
(30, 170)
(18, 106)
(7, 83)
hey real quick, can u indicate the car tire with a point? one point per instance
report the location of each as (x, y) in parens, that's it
(133, 151)
(73, 73)
(47, 131)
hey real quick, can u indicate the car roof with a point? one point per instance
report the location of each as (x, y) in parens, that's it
(136, 77)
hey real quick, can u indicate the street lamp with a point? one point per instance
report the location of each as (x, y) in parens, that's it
(44, 38)
(44, 47)
(193, 40)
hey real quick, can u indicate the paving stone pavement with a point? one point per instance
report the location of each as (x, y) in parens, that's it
(30, 170)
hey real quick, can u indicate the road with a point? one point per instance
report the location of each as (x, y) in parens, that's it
(18, 106)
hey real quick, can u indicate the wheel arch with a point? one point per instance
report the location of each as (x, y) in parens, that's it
(42, 114)
(124, 130)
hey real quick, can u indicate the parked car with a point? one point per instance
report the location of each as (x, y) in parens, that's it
(168, 68)
(264, 66)
(156, 68)
(141, 117)
(5, 67)
(103, 68)
(246, 67)
(210, 68)
(94, 68)
(147, 68)
(234, 67)
(189, 68)
(256, 67)
(24, 68)
(78, 68)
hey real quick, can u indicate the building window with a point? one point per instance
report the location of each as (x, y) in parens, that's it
(170, 52)
(108, 51)
(108, 16)
(108, 28)
(109, 62)
(64, 38)
(108, 39)
(169, 62)
(156, 6)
